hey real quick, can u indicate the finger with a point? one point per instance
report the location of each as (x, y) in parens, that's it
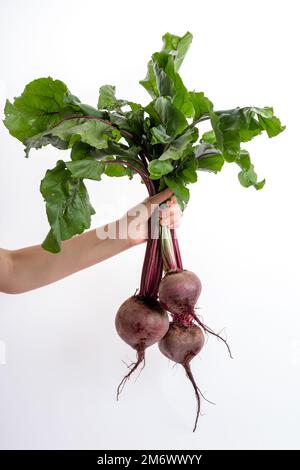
(153, 202)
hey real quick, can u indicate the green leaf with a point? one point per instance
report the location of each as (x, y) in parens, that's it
(173, 119)
(209, 137)
(68, 206)
(88, 168)
(244, 160)
(159, 135)
(85, 109)
(212, 163)
(116, 149)
(177, 47)
(43, 139)
(162, 77)
(158, 168)
(189, 173)
(107, 98)
(93, 132)
(164, 82)
(180, 191)
(40, 106)
(80, 151)
(249, 178)
(149, 83)
(270, 123)
(115, 170)
(240, 125)
(178, 147)
(201, 104)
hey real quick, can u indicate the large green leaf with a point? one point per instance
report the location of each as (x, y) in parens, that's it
(162, 77)
(93, 132)
(40, 106)
(231, 127)
(43, 103)
(68, 206)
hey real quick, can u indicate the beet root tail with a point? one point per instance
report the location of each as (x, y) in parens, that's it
(190, 376)
(140, 359)
(208, 330)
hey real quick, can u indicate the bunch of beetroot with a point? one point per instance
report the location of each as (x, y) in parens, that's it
(161, 143)
(142, 320)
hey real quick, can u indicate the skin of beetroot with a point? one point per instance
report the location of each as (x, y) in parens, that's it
(182, 343)
(138, 322)
(179, 291)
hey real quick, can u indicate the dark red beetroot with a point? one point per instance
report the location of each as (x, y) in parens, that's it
(181, 344)
(179, 292)
(140, 324)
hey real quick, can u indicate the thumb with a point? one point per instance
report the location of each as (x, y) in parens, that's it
(153, 202)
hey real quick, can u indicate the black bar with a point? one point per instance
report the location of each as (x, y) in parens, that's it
(137, 458)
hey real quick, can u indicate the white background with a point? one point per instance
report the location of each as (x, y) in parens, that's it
(63, 356)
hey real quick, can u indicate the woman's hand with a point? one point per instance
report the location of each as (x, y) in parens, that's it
(32, 267)
(134, 224)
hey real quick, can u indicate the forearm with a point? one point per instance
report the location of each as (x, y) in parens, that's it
(33, 267)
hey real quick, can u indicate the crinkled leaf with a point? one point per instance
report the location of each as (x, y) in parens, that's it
(244, 160)
(149, 83)
(177, 148)
(88, 168)
(68, 206)
(189, 173)
(159, 135)
(249, 178)
(177, 47)
(173, 119)
(80, 150)
(116, 149)
(107, 98)
(201, 104)
(85, 109)
(40, 106)
(43, 104)
(93, 132)
(40, 140)
(158, 168)
(115, 170)
(209, 137)
(212, 163)
(208, 158)
(162, 77)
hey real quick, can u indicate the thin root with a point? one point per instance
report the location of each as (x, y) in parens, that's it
(210, 331)
(133, 367)
(190, 376)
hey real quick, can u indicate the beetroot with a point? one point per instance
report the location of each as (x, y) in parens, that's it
(140, 323)
(181, 344)
(179, 291)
